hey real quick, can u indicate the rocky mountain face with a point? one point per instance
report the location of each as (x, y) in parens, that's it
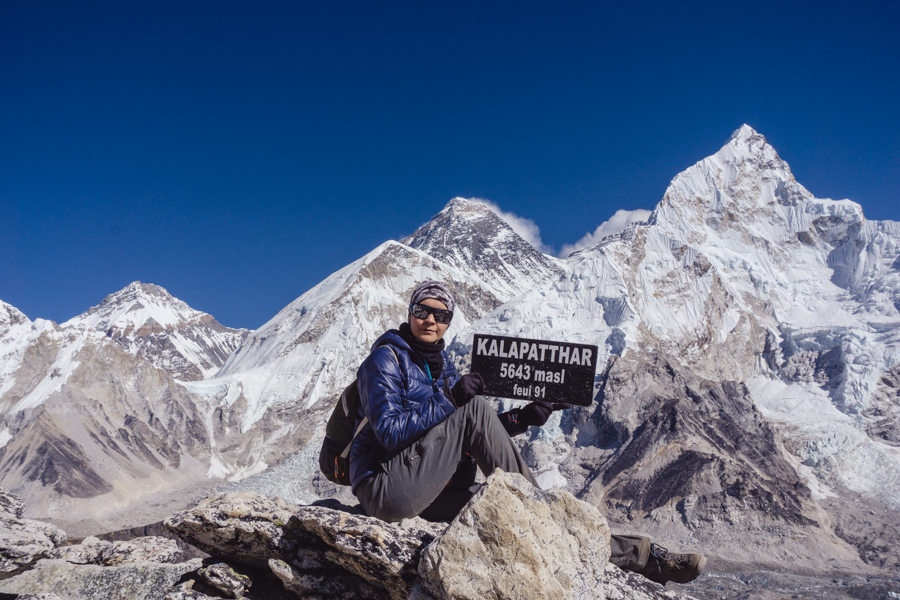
(467, 235)
(84, 420)
(92, 429)
(148, 322)
(748, 370)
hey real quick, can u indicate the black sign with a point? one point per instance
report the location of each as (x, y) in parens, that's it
(535, 369)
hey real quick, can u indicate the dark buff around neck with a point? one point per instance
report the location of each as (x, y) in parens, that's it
(430, 353)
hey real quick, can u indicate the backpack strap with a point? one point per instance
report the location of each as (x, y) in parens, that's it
(365, 419)
(356, 433)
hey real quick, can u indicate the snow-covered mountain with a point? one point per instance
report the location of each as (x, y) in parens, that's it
(85, 425)
(749, 403)
(754, 335)
(91, 420)
(311, 349)
(147, 321)
(127, 364)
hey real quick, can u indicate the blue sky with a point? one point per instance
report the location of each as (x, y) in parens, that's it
(238, 153)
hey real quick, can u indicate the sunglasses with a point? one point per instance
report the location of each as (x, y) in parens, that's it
(441, 315)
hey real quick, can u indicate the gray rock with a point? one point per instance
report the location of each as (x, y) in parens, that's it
(354, 556)
(186, 591)
(88, 552)
(23, 541)
(514, 540)
(222, 577)
(145, 580)
(95, 551)
(143, 549)
(511, 541)
(11, 504)
(321, 585)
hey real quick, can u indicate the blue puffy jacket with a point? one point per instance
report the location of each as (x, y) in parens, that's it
(400, 400)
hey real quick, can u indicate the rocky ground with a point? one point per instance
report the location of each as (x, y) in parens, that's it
(772, 585)
(511, 541)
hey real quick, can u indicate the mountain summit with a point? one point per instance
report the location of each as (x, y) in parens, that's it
(148, 321)
(469, 236)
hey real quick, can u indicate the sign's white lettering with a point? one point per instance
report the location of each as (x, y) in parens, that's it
(535, 369)
(525, 351)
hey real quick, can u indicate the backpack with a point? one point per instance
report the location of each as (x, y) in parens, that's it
(339, 435)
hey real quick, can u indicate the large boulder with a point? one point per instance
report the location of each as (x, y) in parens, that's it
(315, 550)
(515, 541)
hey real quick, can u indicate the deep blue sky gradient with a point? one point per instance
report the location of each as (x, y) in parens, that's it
(238, 153)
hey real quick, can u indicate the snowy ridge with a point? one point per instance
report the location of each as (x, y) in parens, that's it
(25, 384)
(14, 326)
(135, 306)
(146, 320)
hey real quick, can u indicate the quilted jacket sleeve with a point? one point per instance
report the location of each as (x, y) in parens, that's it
(398, 416)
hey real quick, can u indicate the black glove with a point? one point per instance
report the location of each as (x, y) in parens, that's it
(538, 412)
(467, 388)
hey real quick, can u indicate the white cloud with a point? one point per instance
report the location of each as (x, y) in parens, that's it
(616, 223)
(526, 228)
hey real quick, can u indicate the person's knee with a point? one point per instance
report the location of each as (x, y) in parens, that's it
(478, 406)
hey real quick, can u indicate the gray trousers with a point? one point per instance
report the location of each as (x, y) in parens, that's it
(409, 483)
(435, 477)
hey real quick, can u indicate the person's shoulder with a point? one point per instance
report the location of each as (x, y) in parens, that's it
(391, 337)
(387, 349)
(384, 352)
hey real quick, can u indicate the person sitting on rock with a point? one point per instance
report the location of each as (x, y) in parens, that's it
(430, 429)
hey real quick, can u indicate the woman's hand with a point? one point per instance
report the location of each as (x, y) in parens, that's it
(467, 388)
(537, 412)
